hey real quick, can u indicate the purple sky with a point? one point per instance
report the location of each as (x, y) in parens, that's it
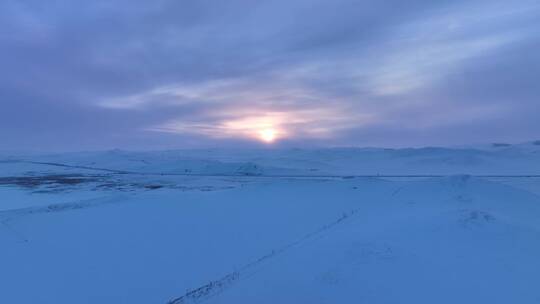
(101, 74)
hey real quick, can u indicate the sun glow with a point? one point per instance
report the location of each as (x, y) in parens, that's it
(268, 127)
(268, 135)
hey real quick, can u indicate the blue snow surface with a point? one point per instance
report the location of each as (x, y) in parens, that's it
(430, 225)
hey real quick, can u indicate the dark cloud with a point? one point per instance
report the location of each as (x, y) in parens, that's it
(101, 74)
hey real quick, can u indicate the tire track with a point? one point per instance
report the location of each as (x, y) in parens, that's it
(217, 286)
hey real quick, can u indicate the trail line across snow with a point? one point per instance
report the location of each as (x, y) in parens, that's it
(215, 287)
(117, 171)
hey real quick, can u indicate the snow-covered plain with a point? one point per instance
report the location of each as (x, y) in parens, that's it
(432, 225)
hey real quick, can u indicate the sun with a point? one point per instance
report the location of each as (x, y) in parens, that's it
(267, 135)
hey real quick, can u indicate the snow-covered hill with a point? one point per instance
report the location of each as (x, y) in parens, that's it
(495, 159)
(278, 226)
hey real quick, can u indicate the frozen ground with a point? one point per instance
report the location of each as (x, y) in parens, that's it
(429, 225)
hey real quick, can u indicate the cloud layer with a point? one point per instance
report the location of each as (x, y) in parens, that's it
(171, 74)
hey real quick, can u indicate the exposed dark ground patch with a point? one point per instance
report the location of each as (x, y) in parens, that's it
(68, 182)
(49, 180)
(55, 183)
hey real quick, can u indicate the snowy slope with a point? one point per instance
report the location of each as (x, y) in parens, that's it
(77, 235)
(520, 159)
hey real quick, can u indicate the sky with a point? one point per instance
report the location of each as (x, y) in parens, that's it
(165, 74)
